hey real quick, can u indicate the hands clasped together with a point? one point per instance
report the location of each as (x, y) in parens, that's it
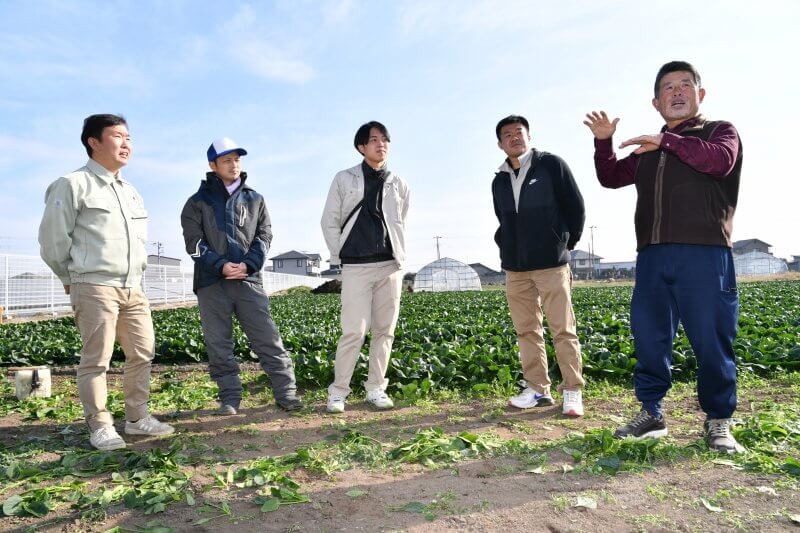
(234, 271)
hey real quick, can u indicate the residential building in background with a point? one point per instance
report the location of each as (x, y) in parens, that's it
(163, 260)
(616, 270)
(751, 245)
(298, 263)
(335, 272)
(583, 264)
(489, 276)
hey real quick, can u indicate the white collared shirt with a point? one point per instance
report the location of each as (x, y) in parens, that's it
(518, 179)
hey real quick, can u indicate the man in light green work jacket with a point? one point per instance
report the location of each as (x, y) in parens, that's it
(93, 236)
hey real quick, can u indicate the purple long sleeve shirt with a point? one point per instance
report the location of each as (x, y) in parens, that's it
(715, 157)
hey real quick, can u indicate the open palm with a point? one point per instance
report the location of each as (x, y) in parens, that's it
(601, 127)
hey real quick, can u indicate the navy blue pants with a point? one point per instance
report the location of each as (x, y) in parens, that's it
(696, 285)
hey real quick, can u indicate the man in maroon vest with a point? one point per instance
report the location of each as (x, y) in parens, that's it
(687, 183)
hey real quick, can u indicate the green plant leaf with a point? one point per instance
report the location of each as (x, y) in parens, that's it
(270, 505)
(710, 506)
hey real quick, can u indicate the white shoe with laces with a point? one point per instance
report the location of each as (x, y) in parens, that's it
(573, 402)
(379, 399)
(106, 438)
(335, 404)
(530, 398)
(148, 426)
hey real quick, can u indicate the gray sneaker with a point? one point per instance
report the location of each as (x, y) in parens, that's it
(719, 438)
(148, 426)
(106, 438)
(225, 410)
(292, 403)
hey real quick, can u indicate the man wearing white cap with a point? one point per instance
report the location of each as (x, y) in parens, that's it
(227, 231)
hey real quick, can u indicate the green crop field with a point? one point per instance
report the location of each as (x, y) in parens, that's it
(454, 364)
(453, 340)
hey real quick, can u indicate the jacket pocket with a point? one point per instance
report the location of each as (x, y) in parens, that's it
(139, 222)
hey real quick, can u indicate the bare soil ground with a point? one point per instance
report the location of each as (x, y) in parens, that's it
(489, 494)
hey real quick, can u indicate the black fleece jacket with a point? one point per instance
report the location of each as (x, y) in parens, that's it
(550, 218)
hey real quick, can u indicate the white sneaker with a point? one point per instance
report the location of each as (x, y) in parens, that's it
(573, 402)
(148, 426)
(106, 438)
(530, 398)
(335, 404)
(379, 399)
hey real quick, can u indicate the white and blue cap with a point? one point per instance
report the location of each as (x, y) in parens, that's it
(222, 146)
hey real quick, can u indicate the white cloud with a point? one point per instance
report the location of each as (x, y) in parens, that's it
(266, 61)
(426, 16)
(334, 13)
(246, 45)
(55, 59)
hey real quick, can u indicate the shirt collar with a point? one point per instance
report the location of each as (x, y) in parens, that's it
(102, 172)
(689, 123)
(371, 172)
(506, 166)
(233, 186)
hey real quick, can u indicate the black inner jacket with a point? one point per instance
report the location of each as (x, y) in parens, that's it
(368, 242)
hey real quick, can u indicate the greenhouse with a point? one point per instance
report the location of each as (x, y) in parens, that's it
(758, 264)
(447, 274)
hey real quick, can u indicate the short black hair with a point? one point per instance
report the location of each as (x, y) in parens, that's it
(362, 135)
(675, 66)
(93, 126)
(511, 119)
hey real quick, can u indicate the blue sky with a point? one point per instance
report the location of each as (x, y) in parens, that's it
(292, 80)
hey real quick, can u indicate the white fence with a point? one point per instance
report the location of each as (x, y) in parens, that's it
(28, 286)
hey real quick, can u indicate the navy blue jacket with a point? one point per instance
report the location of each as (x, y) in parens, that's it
(219, 228)
(550, 219)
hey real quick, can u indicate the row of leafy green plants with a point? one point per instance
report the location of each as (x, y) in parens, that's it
(152, 480)
(453, 340)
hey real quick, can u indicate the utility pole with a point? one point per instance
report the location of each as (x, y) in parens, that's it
(159, 250)
(438, 255)
(591, 252)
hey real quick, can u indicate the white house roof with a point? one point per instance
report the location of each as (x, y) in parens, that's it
(580, 254)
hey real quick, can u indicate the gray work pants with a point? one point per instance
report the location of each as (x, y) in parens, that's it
(249, 302)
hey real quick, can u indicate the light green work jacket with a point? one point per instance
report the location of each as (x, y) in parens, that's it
(94, 229)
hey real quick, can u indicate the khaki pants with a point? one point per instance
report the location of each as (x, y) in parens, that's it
(104, 314)
(370, 302)
(528, 293)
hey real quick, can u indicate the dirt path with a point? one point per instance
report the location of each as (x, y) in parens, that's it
(487, 494)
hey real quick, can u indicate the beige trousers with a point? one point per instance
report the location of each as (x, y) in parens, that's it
(370, 302)
(528, 293)
(105, 314)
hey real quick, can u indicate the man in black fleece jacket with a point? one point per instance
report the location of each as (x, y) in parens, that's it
(541, 215)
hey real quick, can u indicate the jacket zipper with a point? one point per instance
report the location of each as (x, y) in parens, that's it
(655, 237)
(242, 215)
(385, 192)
